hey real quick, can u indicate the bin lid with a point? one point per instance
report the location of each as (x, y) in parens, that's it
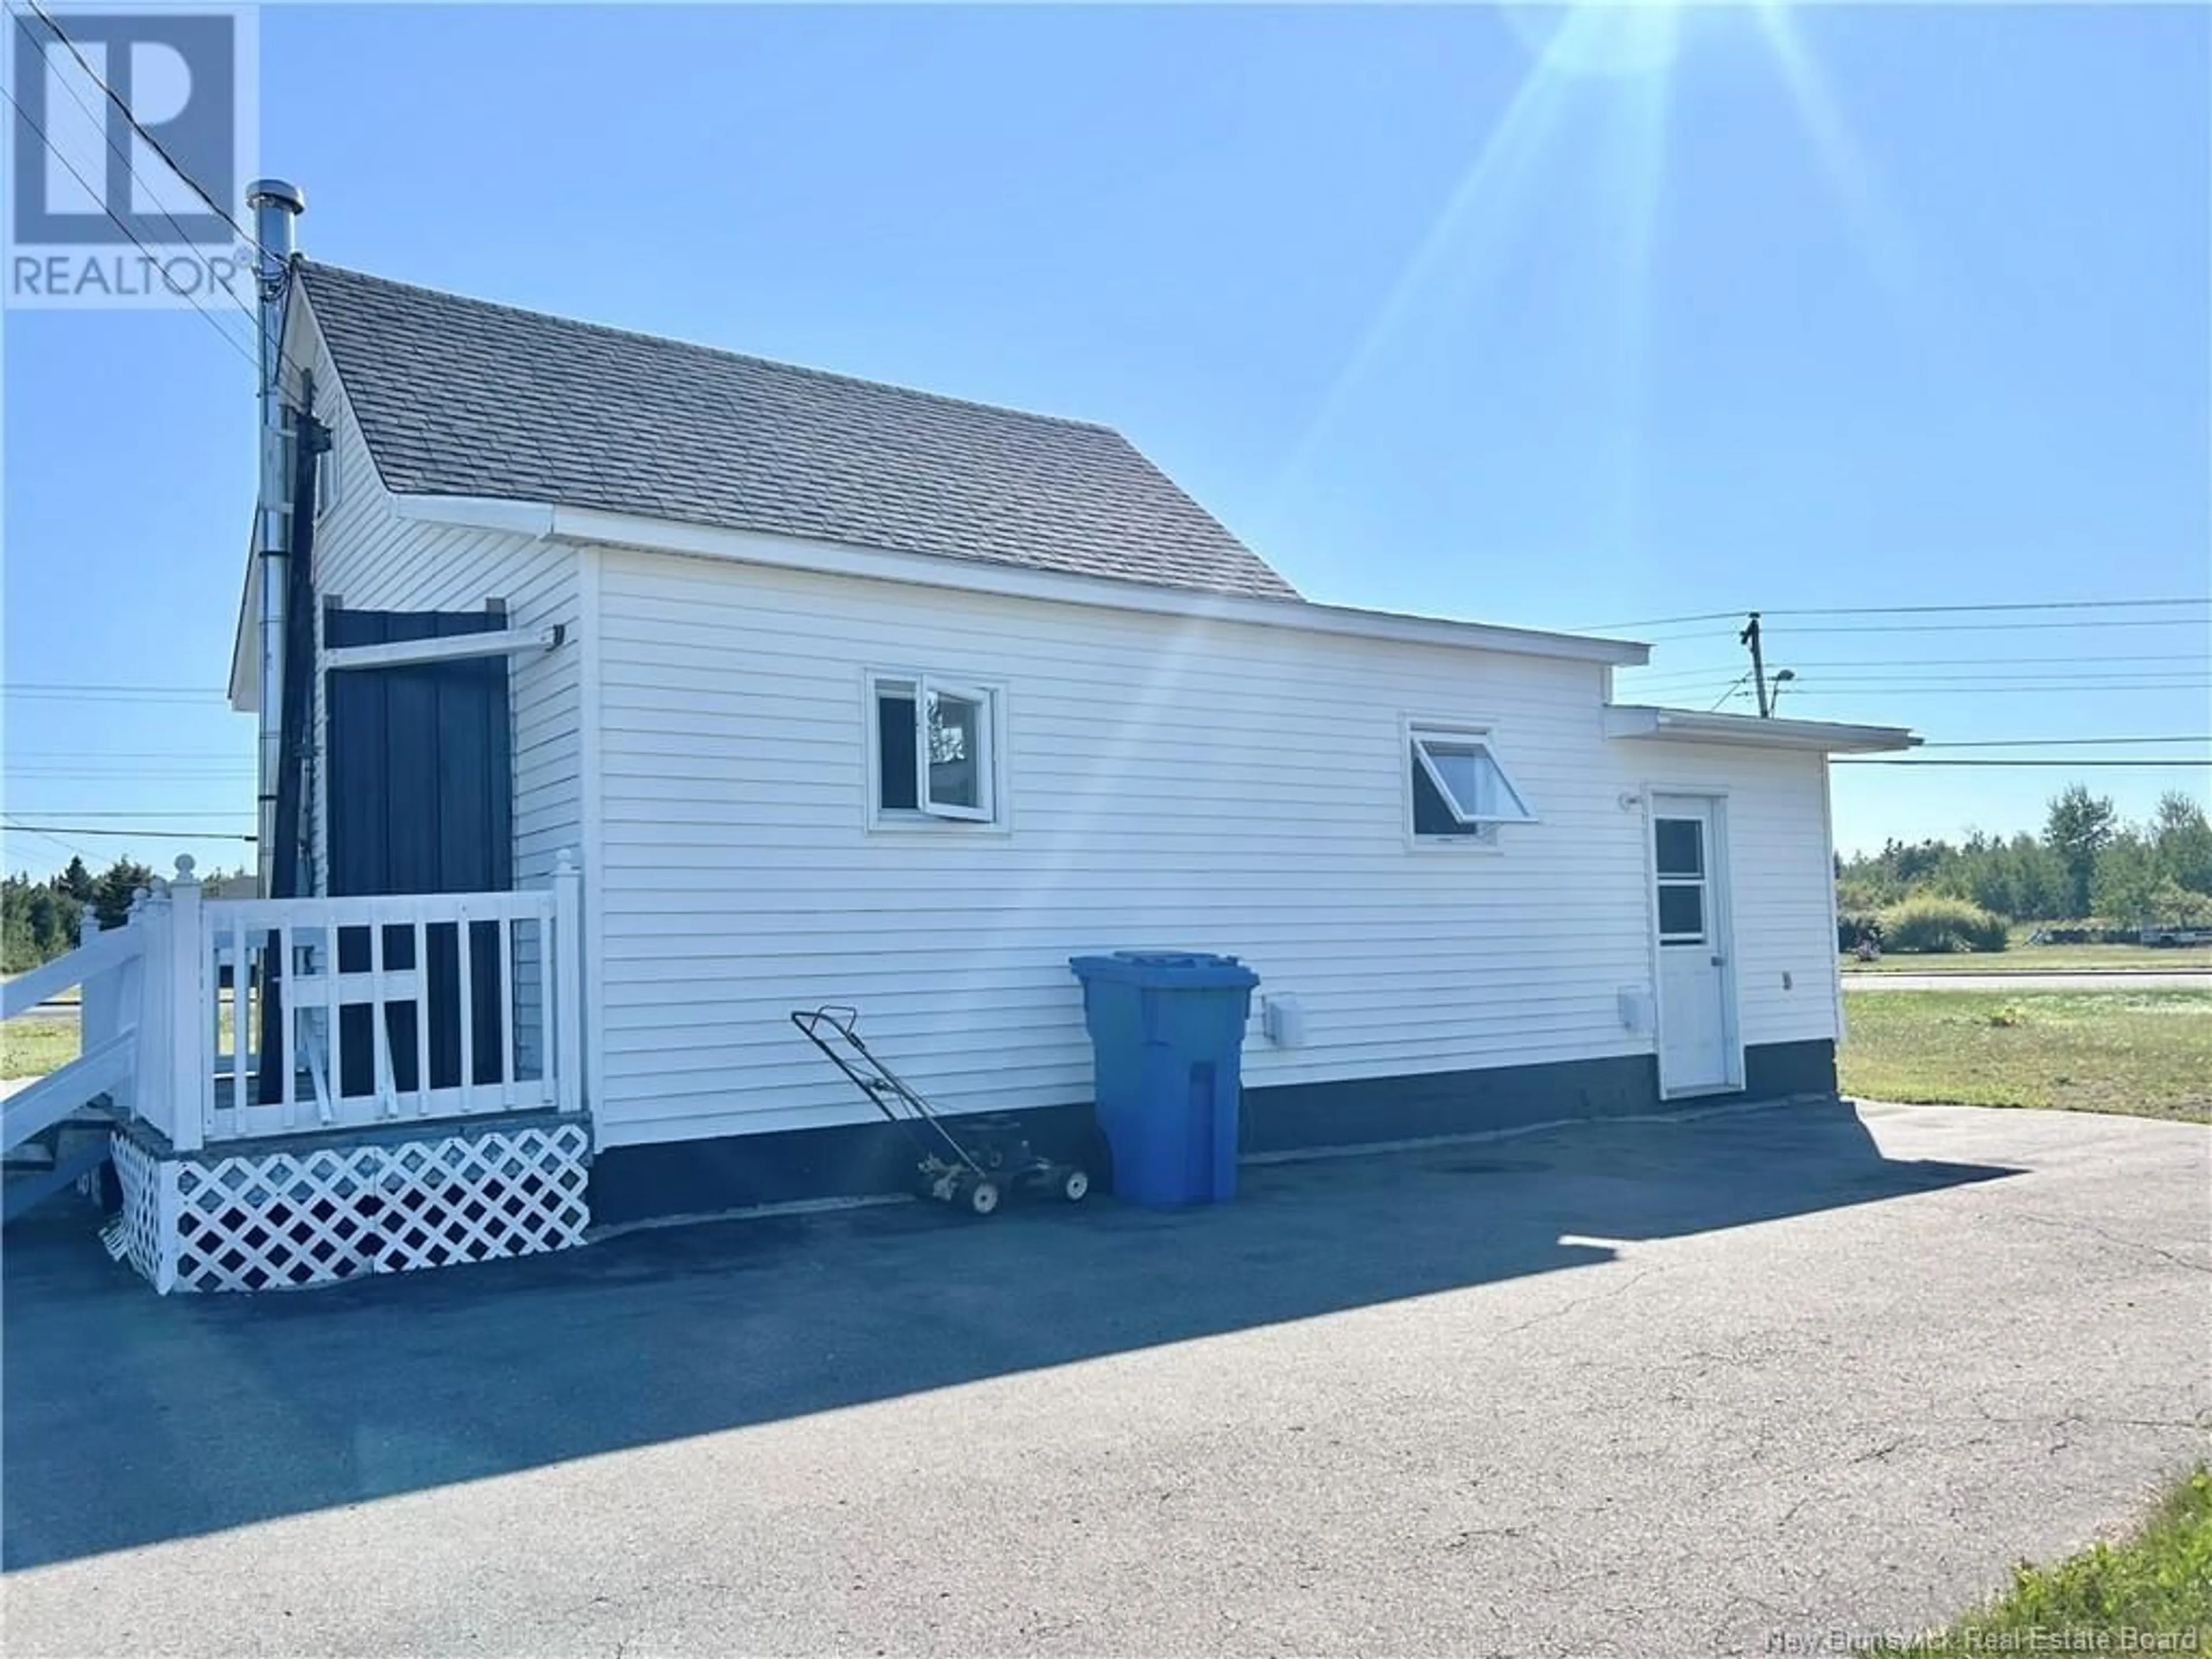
(1198, 969)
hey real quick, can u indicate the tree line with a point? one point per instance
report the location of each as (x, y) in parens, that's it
(40, 920)
(2085, 865)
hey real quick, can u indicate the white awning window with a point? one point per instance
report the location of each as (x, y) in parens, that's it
(1461, 787)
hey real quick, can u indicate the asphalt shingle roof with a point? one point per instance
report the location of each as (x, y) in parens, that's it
(465, 398)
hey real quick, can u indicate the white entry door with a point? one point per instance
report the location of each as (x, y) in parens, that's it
(1696, 1040)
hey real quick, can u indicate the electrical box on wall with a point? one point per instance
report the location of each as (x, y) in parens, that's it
(1636, 1009)
(1283, 1021)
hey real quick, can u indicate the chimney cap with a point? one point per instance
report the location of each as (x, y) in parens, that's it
(280, 193)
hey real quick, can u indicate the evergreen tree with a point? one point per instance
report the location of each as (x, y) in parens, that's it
(117, 883)
(76, 880)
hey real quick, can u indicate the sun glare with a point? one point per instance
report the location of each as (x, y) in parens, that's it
(1874, 226)
(1613, 39)
(1472, 232)
(1613, 61)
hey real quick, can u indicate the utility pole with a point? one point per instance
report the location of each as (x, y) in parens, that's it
(1750, 637)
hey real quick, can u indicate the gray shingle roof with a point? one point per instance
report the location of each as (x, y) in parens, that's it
(462, 397)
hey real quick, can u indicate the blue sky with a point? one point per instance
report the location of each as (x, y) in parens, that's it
(1440, 309)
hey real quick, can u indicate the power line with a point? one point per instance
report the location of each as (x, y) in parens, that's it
(222, 333)
(197, 699)
(62, 686)
(228, 818)
(2105, 657)
(99, 774)
(1964, 682)
(1829, 668)
(2195, 761)
(2055, 743)
(1817, 690)
(83, 829)
(1911, 610)
(1995, 627)
(1687, 697)
(95, 763)
(1661, 622)
(73, 852)
(152, 142)
(1795, 632)
(1715, 677)
(128, 755)
(1890, 676)
(2198, 599)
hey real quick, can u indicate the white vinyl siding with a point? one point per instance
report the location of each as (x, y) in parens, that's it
(1167, 782)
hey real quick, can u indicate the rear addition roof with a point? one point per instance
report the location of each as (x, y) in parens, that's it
(1688, 726)
(460, 397)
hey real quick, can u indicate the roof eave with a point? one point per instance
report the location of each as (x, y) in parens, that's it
(589, 526)
(1660, 725)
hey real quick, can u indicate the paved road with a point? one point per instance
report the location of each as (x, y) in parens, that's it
(2107, 979)
(1641, 1390)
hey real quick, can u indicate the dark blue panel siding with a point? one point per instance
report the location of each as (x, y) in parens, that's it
(421, 801)
(422, 785)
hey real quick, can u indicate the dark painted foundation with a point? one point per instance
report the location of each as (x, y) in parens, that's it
(700, 1177)
(853, 1160)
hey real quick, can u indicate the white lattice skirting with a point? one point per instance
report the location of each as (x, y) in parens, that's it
(275, 1219)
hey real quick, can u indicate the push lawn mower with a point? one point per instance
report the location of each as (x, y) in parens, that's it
(991, 1155)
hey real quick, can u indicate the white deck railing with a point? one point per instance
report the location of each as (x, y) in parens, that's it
(107, 965)
(229, 1019)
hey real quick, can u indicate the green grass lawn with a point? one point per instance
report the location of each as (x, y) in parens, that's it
(33, 1046)
(2039, 958)
(2151, 1592)
(2147, 1051)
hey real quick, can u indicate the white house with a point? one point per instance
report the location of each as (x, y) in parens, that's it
(832, 691)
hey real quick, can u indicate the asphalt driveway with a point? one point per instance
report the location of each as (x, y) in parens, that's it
(1683, 1389)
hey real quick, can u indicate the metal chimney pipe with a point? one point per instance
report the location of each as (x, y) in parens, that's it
(276, 206)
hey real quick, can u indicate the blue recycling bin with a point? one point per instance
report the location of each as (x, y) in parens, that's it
(1167, 1036)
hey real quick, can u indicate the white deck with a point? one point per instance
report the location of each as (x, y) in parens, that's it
(211, 1021)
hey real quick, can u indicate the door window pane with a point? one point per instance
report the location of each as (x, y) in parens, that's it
(1682, 914)
(1681, 847)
